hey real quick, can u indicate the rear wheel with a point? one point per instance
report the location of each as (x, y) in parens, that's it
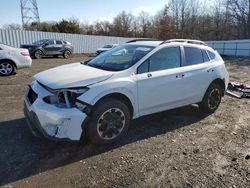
(66, 54)
(212, 98)
(38, 54)
(6, 68)
(110, 120)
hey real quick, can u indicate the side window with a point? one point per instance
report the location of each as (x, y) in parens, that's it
(143, 68)
(205, 56)
(58, 42)
(193, 56)
(51, 42)
(166, 58)
(211, 55)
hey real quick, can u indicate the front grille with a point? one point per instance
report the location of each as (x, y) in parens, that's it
(32, 96)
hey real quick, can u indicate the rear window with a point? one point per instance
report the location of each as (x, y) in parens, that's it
(65, 42)
(193, 56)
(51, 42)
(205, 56)
(211, 55)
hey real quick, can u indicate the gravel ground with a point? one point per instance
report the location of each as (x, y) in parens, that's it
(177, 148)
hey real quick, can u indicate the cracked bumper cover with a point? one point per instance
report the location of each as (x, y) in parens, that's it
(47, 120)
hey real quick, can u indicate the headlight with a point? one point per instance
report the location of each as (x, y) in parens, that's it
(65, 98)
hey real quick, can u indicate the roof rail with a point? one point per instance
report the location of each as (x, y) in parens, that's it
(185, 41)
(143, 39)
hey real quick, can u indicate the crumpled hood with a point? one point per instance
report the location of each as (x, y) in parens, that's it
(72, 75)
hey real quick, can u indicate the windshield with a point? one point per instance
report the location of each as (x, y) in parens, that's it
(121, 57)
(39, 42)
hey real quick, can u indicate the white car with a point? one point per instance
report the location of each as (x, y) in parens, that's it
(98, 99)
(106, 48)
(13, 58)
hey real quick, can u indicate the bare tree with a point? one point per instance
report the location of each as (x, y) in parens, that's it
(240, 10)
(122, 24)
(12, 26)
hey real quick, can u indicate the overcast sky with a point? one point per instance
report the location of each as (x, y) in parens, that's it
(85, 10)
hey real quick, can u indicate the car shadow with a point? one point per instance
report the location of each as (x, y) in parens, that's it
(50, 57)
(24, 155)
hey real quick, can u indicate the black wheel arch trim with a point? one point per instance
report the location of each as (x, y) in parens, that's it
(121, 97)
(221, 83)
(68, 49)
(9, 60)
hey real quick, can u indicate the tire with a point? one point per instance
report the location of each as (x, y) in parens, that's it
(211, 99)
(6, 68)
(66, 54)
(38, 54)
(109, 121)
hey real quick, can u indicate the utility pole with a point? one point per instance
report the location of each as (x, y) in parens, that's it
(30, 14)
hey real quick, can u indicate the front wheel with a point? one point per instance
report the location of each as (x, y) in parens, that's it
(110, 120)
(6, 68)
(212, 98)
(38, 54)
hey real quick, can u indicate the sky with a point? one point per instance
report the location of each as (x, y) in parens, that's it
(87, 11)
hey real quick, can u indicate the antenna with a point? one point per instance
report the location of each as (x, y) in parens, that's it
(30, 14)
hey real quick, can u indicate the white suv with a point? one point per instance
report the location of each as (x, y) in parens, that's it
(98, 99)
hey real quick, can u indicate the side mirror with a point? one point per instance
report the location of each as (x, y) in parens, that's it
(86, 61)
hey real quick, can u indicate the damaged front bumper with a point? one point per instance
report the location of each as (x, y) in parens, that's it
(49, 121)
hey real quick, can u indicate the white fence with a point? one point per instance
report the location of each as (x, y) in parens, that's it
(81, 43)
(89, 43)
(232, 47)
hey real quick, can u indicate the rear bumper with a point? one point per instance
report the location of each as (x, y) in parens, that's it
(49, 121)
(25, 64)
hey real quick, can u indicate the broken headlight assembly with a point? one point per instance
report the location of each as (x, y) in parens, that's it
(66, 98)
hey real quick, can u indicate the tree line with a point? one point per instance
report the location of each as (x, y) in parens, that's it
(198, 19)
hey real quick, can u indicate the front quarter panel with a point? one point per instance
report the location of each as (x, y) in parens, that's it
(125, 86)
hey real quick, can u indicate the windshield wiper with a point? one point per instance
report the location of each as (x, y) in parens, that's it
(102, 67)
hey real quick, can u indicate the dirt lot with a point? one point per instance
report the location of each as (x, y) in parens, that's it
(177, 148)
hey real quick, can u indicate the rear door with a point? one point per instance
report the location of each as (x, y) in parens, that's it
(198, 73)
(58, 47)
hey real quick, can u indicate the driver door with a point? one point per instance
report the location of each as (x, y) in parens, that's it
(49, 47)
(160, 82)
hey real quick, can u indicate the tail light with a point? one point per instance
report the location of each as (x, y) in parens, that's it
(25, 53)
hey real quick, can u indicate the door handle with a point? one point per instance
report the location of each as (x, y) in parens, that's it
(210, 71)
(180, 76)
(149, 75)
